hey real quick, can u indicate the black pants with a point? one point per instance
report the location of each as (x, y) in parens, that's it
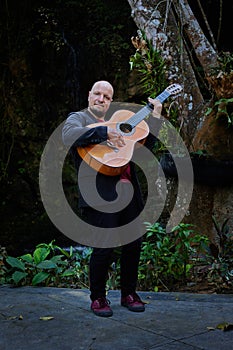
(102, 257)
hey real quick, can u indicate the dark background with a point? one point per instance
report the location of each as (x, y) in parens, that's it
(51, 53)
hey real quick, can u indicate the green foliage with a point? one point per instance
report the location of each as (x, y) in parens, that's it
(150, 66)
(223, 109)
(3, 255)
(168, 258)
(221, 256)
(225, 63)
(166, 139)
(113, 281)
(226, 59)
(201, 153)
(48, 265)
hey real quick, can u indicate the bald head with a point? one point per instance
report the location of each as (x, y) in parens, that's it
(104, 85)
(100, 97)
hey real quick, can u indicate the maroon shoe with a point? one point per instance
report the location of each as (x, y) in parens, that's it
(133, 303)
(101, 307)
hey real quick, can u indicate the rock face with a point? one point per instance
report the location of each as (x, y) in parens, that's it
(214, 135)
(213, 175)
(208, 201)
(210, 197)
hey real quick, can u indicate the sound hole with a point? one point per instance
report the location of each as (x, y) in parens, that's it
(126, 128)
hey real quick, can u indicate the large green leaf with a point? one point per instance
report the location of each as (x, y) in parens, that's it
(68, 273)
(40, 254)
(28, 258)
(18, 276)
(14, 262)
(57, 259)
(39, 277)
(47, 264)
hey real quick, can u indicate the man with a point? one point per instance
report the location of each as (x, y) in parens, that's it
(76, 133)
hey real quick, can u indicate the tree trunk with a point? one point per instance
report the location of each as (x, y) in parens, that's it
(204, 51)
(159, 22)
(173, 30)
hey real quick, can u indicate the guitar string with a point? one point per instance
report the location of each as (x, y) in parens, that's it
(140, 115)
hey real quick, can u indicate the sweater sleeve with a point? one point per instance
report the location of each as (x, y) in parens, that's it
(75, 131)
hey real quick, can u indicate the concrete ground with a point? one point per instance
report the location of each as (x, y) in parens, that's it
(60, 319)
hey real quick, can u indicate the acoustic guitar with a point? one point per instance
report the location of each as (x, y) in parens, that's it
(110, 160)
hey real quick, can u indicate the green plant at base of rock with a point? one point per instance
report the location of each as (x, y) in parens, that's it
(48, 265)
(168, 258)
(221, 255)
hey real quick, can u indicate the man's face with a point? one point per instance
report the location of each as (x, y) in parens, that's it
(100, 98)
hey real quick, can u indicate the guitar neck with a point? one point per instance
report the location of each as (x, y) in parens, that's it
(161, 97)
(143, 113)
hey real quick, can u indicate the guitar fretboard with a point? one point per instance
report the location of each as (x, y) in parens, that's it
(143, 113)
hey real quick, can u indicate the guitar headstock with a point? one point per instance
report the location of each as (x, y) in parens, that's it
(174, 89)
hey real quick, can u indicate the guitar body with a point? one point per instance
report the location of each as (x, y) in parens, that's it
(109, 160)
